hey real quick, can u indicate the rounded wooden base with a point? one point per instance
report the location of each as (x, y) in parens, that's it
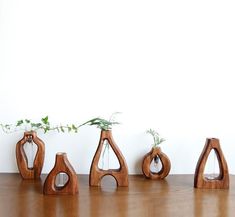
(62, 165)
(166, 164)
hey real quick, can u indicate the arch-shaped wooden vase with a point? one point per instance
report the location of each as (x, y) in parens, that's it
(120, 174)
(220, 182)
(166, 164)
(62, 165)
(21, 158)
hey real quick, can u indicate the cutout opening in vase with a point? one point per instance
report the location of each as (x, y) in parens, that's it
(108, 159)
(61, 179)
(156, 165)
(30, 149)
(108, 181)
(212, 169)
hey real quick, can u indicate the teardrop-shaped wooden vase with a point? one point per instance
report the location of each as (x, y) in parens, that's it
(166, 164)
(219, 182)
(62, 165)
(21, 158)
(120, 174)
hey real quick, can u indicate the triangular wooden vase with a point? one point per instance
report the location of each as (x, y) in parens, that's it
(21, 158)
(96, 174)
(166, 164)
(62, 165)
(220, 182)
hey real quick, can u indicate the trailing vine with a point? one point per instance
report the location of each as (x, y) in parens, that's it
(44, 124)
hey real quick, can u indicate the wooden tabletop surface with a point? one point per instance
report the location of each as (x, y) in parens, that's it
(174, 196)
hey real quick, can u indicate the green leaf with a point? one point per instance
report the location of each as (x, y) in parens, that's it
(27, 121)
(38, 124)
(46, 129)
(62, 129)
(45, 120)
(19, 123)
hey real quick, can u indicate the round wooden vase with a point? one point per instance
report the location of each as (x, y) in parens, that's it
(120, 174)
(62, 165)
(21, 158)
(166, 164)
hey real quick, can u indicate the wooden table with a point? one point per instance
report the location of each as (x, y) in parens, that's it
(174, 196)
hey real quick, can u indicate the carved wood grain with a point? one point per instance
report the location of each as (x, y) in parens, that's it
(120, 174)
(62, 165)
(220, 182)
(166, 164)
(21, 158)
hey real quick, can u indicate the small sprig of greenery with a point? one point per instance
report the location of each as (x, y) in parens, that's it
(102, 123)
(44, 124)
(156, 138)
(5, 127)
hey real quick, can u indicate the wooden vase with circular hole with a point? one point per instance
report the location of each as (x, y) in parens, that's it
(219, 182)
(62, 165)
(120, 174)
(21, 158)
(166, 164)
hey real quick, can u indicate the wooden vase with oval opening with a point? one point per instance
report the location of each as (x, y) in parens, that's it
(62, 165)
(219, 182)
(165, 161)
(120, 174)
(22, 160)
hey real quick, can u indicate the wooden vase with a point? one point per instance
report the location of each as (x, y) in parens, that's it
(21, 158)
(166, 164)
(220, 182)
(120, 174)
(62, 165)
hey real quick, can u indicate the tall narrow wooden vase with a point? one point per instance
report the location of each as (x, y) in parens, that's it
(62, 165)
(120, 174)
(21, 158)
(222, 180)
(166, 164)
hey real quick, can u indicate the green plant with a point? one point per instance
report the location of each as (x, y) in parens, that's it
(44, 124)
(156, 138)
(102, 123)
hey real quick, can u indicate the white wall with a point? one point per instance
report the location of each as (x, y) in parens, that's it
(164, 64)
